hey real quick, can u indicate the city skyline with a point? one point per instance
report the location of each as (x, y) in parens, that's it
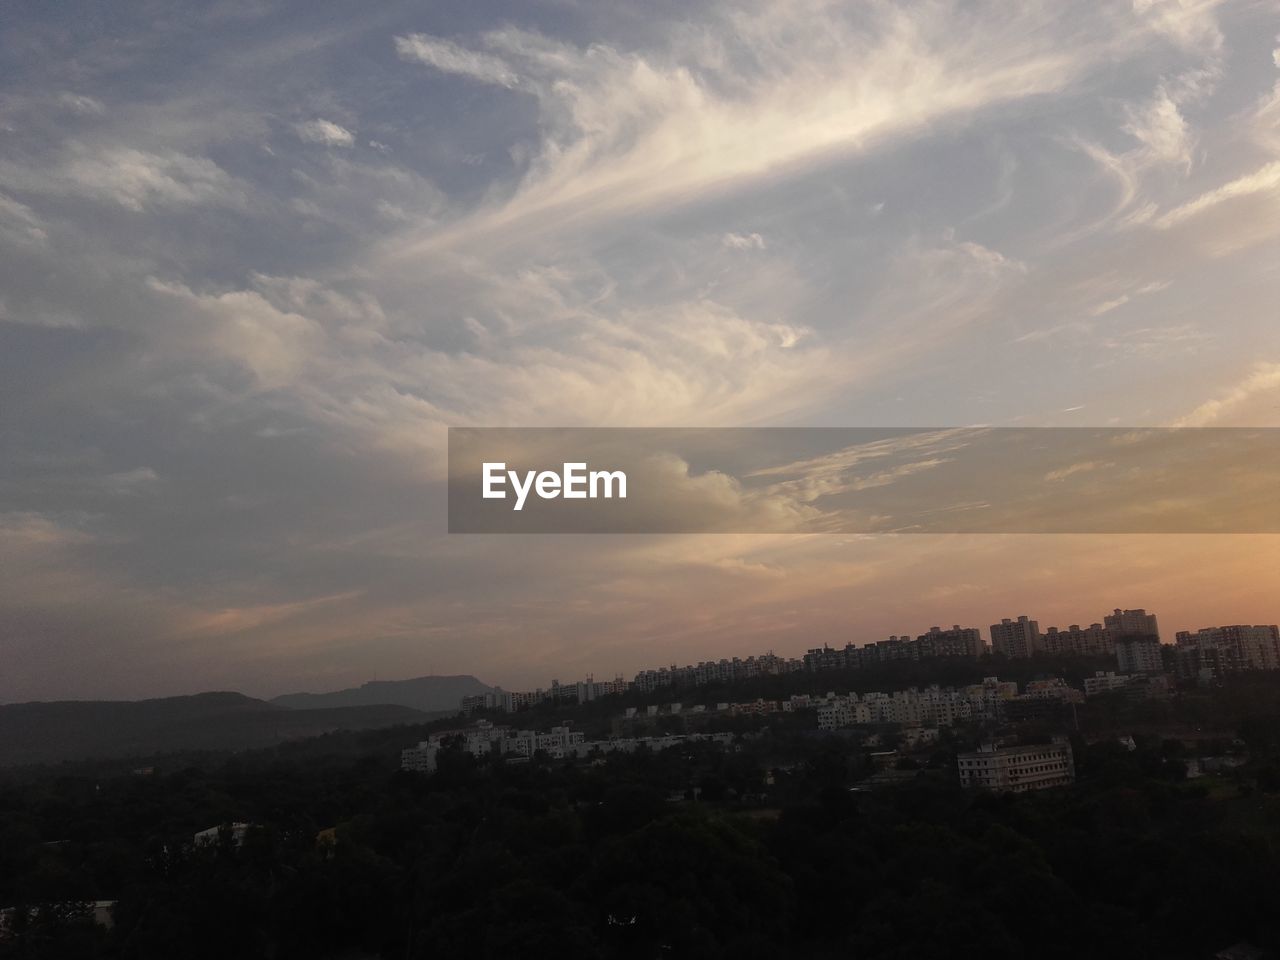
(984, 635)
(257, 257)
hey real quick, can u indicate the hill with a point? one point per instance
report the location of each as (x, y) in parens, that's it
(52, 732)
(421, 693)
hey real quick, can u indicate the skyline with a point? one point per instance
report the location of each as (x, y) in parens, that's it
(984, 634)
(256, 257)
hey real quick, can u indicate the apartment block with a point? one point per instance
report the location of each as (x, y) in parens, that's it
(958, 641)
(1236, 647)
(1132, 623)
(1076, 641)
(1016, 638)
(1018, 769)
(1139, 654)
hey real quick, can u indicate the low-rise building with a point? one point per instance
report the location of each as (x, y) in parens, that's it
(1105, 682)
(1018, 769)
(1054, 688)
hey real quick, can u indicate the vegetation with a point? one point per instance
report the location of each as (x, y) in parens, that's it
(763, 851)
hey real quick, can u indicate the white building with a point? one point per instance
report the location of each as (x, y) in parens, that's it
(933, 706)
(1018, 769)
(1107, 682)
(485, 738)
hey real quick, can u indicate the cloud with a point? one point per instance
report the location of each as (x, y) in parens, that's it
(79, 103)
(1084, 466)
(1264, 180)
(741, 241)
(447, 57)
(130, 482)
(763, 213)
(22, 531)
(748, 94)
(244, 326)
(19, 224)
(1163, 131)
(1263, 379)
(326, 132)
(134, 179)
(832, 474)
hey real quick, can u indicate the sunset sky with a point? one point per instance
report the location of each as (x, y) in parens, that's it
(256, 257)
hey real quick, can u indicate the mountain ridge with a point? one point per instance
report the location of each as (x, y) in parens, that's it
(431, 693)
(53, 731)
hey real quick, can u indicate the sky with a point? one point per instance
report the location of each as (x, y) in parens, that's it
(257, 257)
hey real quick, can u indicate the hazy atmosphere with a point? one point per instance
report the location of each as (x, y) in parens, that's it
(256, 258)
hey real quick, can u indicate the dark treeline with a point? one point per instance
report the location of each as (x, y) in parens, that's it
(349, 857)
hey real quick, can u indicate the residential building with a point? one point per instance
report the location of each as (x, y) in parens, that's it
(1236, 647)
(1018, 769)
(956, 642)
(1091, 641)
(1139, 654)
(1016, 638)
(1054, 688)
(420, 759)
(1108, 682)
(1132, 623)
(933, 706)
(833, 658)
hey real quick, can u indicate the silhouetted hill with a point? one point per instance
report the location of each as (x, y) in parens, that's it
(83, 729)
(420, 693)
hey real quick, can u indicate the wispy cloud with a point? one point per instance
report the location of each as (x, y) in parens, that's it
(1263, 379)
(326, 132)
(448, 57)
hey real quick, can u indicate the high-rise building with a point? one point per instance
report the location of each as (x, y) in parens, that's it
(1236, 647)
(1016, 638)
(1139, 654)
(957, 642)
(1132, 623)
(1075, 641)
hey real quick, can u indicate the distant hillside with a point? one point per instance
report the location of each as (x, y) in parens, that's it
(93, 729)
(421, 693)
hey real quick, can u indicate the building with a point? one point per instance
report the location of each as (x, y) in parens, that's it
(1132, 623)
(832, 658)
(1018, 769)
(1054, 688)
(957, 642)
(1108, 682)
(1091, 641)
(1227, 649)
(933, 706)
(1139, 654)
(485, 738)
(420, 759)
(1016, 638)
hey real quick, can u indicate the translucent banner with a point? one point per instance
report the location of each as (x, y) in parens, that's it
(864, 480)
